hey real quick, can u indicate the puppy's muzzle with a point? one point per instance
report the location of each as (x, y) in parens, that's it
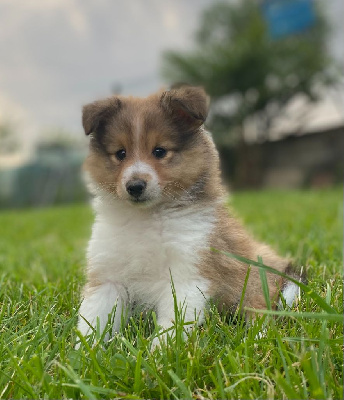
(136, 188)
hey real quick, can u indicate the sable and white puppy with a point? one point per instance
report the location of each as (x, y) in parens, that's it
(160, 208)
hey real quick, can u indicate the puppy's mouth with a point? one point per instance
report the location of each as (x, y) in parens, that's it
(140, 200)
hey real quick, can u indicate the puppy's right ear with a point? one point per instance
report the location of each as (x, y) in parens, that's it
(96, 114)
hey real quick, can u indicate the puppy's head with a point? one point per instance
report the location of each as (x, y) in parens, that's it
(152, 150)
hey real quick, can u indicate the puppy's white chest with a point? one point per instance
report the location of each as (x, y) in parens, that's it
(140, 248)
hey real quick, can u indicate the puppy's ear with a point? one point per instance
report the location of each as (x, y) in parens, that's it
(95, 114)
(187, 105)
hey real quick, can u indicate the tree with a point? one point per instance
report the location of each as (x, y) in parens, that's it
(247, 73)
(8, 143)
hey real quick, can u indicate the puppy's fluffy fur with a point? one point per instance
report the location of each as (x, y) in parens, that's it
(160, 208)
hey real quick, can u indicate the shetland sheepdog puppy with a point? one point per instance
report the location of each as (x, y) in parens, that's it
(159, 213)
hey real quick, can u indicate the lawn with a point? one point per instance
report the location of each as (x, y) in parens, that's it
(42, 256)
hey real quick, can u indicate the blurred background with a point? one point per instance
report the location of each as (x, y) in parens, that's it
(273, 68)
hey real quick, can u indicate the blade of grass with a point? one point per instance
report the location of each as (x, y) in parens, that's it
(311, 372)
(91, 353)
(264, 282)
(323, 316)
(287, 388)
(28, 388)
(148, 366)
(138, 377)
(243, 291)
(85, 389)
(181, 385)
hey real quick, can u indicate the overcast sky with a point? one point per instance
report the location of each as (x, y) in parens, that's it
(55, 55)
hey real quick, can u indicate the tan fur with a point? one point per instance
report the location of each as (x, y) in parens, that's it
(120, 116)
(229, 236)
(173, 120)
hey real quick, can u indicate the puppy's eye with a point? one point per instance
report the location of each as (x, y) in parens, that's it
(159, 152)
(120, 154)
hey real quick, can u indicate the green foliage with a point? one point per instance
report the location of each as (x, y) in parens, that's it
(299, 355)
(60, 139)
(8, 143)
(236, 61)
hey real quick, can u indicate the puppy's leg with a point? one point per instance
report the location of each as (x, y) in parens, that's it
(98, 304)
(191, 302)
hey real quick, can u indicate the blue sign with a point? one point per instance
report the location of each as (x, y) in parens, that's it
(288, 17)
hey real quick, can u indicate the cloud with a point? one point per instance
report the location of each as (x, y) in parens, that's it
(19, 120)
(58, 54)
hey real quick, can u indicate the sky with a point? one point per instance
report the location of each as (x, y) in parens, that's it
(56, 55)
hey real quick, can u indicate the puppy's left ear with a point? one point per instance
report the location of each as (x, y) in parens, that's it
(187, 105)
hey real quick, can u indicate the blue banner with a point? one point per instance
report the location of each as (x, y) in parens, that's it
(288, 17)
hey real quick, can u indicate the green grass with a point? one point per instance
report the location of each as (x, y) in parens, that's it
(42, 255)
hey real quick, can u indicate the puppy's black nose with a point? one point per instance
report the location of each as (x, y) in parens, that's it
(136, 187)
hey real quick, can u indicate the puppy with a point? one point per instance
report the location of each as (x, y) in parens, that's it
(159, 210)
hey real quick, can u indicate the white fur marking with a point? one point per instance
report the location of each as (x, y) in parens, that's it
(138, 169)
(137, 126)
(100, 304)
(140, 249)
(291, 294)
